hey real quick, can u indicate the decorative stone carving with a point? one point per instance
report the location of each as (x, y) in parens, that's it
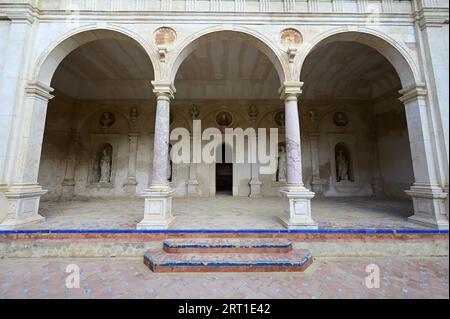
(290, 41)
(280, 118)
(195, 112)
(224, 119)
(134, 115)
(164, 38)
(340, 119)
(107, 119)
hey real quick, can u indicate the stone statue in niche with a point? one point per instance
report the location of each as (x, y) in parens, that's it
(343, 165)
(107, 119)
(282, 166)
(105, 167)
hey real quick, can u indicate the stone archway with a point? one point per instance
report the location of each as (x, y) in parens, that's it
(217, 34)
(428, 196)
(30, 139)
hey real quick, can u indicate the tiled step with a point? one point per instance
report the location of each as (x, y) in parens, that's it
(228, 245)
(161, 261)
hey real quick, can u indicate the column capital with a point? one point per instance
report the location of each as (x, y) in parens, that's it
(290, 89)
(163, 89)
(413, 92)
(39, 90)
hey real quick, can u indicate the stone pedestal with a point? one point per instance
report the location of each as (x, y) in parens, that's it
(255, 188)
(157, 209)
(429, 207)
(297, 205)
(192, 188)
(317, 186)
(23, 202)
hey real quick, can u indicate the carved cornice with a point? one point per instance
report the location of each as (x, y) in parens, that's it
(413, 93)
(435, 17)
(39, 90)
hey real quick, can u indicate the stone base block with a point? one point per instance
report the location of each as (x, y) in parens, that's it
(192, 188)
(429, 207)
(297, 205)
(23, 207)
(255, 189)
(157, 209)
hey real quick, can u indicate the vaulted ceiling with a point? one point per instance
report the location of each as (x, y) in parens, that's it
(347, 70)
(116, 69)
(106, 69)
(227, 70)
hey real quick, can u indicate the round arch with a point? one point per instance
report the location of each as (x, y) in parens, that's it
(237, 33)
(50, 59)
(389, 48)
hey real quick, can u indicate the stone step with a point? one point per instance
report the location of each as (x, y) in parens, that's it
(161, 261)
(227, 245)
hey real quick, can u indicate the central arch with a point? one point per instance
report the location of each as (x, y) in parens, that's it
(249, 36)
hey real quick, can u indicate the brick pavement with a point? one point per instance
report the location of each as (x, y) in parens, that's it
(130, 278)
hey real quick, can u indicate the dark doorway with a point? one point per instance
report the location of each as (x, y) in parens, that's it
(224, 173)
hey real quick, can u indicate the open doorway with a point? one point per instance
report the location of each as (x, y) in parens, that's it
(224, 174)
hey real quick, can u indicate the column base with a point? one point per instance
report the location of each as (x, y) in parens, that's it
(22, 206)
(255, 189)
(130, 186)
(192, 188)
(297, 205)
(157, 209)
(429, 207)
(317, 186)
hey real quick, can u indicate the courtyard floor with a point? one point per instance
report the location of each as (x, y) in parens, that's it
(225, 212)
(130, 278)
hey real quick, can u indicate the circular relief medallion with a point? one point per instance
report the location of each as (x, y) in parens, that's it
(107, 119)
(340, 119)
(224, 119)
(165, 36)
(280, 118)
(290, 38)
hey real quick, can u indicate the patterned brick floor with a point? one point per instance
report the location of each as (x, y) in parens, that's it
(227, 212)
(129, 278)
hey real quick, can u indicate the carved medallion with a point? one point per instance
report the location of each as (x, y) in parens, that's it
(165, 36)
(340, 119)
(280, 118)
(290, 39)
(107, 119)
(224, 119)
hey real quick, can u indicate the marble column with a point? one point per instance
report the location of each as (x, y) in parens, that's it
(158, 197)
(255, 183)
(130, 185)
(316, 183)
(298, 198)
(68, 183)
(24, 193)
(428, 196)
